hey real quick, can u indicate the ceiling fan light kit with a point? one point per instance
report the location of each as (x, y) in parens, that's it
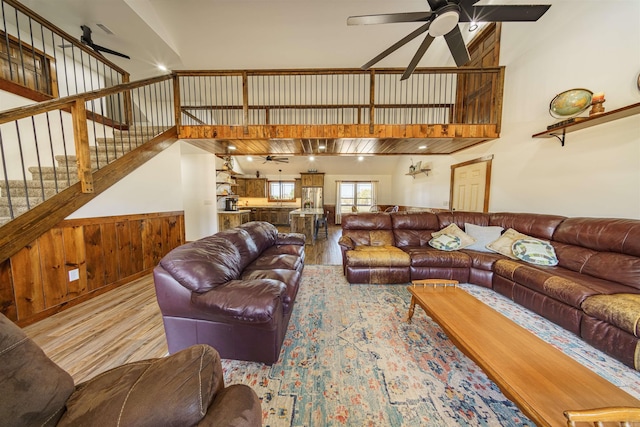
(443, 20)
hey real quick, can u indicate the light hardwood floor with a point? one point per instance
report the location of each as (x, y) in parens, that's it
(125, 324)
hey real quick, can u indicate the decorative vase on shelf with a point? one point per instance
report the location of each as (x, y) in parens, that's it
(596, 104)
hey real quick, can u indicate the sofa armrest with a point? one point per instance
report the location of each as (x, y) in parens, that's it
(346, 243)
(175, 390)
(290, 239)
(236, 405)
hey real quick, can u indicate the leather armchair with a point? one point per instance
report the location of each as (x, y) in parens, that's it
(184, 389)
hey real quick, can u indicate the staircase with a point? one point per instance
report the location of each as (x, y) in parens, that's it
(47, 181)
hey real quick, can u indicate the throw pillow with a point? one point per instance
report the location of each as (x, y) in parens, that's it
(453, 230)
(535, 251)
(445, 242)
(483, 236)
(505, 242)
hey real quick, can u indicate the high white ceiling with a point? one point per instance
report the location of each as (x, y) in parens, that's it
(252, 34)
(241, 34)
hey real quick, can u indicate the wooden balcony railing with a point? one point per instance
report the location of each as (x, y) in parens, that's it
(261, 103)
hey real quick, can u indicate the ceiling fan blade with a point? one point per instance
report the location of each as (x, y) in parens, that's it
(502, 13)
(417, 57)
(406, 39)
(457, 47)
(99, 49)
(389, 18)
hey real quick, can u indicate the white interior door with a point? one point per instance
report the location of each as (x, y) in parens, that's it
(470, 185)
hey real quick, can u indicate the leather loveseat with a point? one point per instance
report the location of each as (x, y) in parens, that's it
(234, 290)
(185, 389)
(593, 291)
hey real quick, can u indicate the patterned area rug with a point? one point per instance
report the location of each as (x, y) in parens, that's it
(350, 358)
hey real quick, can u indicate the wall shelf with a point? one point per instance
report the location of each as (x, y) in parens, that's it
(413, 174)
(587, 122)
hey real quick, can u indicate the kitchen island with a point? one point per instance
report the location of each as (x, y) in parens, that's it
(304, 221)
(231, 219)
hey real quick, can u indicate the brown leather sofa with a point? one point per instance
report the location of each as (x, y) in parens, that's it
(234, 290)
(185, 389)
(593, 292)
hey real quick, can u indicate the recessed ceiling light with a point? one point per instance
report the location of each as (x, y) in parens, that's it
(312, 158)
(232, 147)
(162, 67)
(422, 147)
(250, 159)
(360, 158)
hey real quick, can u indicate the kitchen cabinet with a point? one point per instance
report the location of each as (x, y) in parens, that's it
(312, 179)
(255, 187)
(227, 220)
(241, 189)
(297, 189)
(274, 215)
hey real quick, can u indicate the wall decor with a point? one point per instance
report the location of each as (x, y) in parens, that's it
(570, 103)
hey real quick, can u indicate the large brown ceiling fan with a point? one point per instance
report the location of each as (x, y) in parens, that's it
(442, 20)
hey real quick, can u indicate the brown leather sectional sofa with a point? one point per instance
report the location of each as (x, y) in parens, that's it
(593, 292)
(234, 290)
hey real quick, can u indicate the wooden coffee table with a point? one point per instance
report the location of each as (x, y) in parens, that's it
(537, 377)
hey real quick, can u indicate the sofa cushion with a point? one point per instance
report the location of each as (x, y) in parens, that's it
(445, 242)
(204, 264)
(413, 229)
(291, 278)
(377, 256)
(428, 257)
(535, 251)
(601, 234)
(454, 230)
(276, 261)
(564, 285)
(244, 243)
(483, 236)
(243, 301)
(540, 226)
(264, 234)
(621, 310)
(34, 388)
(176, 390)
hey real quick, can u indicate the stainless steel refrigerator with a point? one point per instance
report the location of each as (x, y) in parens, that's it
(312, 198)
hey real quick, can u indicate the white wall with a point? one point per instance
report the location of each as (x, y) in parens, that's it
(597, 172)
(199, 192)
(156, 186)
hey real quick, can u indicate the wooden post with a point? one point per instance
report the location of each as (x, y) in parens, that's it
(128, 110)
(499, 93)
(245, 103)
(372, 99)
(176, 102)
(81, 140)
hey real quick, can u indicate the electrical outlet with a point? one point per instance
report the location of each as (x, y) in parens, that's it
(74, 275)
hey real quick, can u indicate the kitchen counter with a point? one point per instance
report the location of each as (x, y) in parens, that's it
(231, 219)
(238, 212)
(304, 221)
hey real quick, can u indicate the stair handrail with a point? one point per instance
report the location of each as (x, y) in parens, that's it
(68, 37)
(56, 104)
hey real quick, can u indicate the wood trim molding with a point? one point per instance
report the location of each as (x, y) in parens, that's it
(27, 227)
(487, 192)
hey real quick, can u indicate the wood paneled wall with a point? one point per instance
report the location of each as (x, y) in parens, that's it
(106, 251)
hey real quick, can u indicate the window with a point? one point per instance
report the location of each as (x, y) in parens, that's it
(26, 66)
(358, 194)
(282, 191)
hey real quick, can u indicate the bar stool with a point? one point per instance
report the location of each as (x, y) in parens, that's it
(322, 222)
